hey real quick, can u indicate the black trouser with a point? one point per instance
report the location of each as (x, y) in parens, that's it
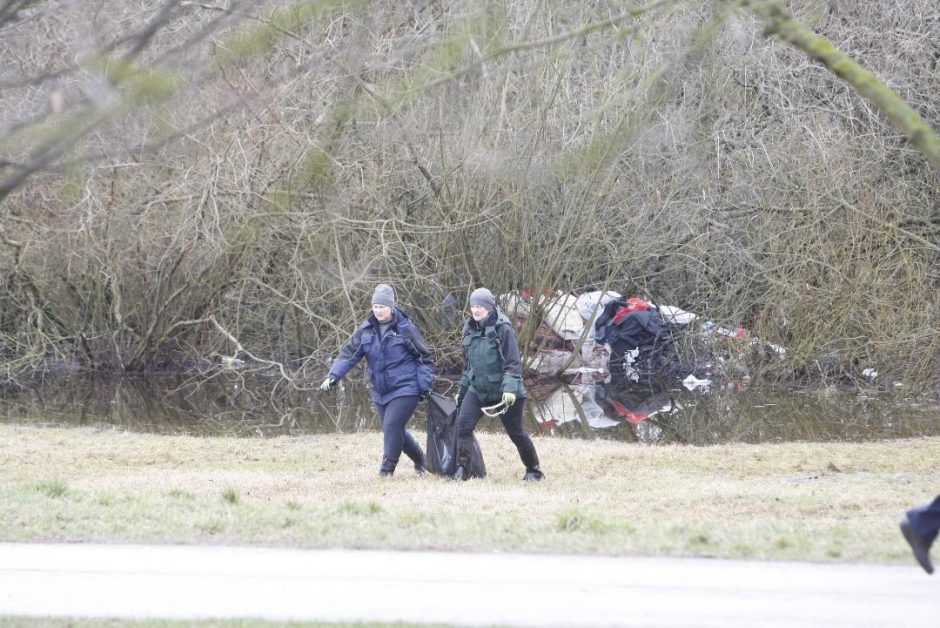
(396, 438)
(926, 520)
(471, 410)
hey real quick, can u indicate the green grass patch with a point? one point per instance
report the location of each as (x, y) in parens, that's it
(60, 622)
(52, 489)
(774, 501)
(355, 508)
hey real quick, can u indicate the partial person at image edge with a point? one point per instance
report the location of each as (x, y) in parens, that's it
(920, 527)
(400, 373)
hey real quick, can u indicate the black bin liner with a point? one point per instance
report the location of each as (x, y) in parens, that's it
(442, 439)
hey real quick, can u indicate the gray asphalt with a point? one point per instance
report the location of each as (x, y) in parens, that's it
(192, 582)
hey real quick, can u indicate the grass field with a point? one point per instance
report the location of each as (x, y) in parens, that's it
(803, 501)
(74, 622)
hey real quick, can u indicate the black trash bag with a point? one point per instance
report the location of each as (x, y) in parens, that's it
(442, 440)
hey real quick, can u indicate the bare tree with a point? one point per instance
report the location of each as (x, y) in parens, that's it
(182, 182)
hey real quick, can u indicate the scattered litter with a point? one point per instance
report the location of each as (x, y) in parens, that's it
(552, 362)
(738, 332)
(230, 364)
(602, 334)
(676, 316)
(693, 383)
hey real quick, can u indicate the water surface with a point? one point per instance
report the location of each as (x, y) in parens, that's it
(259, 407)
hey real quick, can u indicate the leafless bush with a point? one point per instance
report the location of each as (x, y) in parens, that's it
(262, 166)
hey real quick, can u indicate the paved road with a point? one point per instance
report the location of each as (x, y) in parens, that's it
(188, 582)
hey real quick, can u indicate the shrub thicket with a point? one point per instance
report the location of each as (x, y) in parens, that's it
(240, 178)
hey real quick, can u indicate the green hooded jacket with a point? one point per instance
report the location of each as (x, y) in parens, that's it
(491, 355)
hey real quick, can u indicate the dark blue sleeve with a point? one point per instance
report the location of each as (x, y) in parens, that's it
(425, 360)
(348, 357)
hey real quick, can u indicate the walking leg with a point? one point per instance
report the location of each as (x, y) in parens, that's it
(514, 426)
(467, 418)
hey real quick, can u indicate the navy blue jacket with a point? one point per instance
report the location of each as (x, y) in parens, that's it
(399, 362)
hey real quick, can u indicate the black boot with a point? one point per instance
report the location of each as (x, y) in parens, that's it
(388, 466)
(420, 465)
(531, 461)
(462, 472)
(533, 475)
(413, 451)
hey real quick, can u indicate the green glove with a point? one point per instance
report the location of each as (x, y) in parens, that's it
(509, 398)
(327, 384)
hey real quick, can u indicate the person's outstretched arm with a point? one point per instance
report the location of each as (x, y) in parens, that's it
(348, 357)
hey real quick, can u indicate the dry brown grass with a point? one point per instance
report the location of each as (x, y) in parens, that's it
(792, 501)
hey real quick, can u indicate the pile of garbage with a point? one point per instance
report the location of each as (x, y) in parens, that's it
(602, 334)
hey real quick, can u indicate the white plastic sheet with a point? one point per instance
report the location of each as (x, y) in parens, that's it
(561, 314)
(675, 315)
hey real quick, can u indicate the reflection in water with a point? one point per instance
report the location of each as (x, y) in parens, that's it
(623, 410)
(231, 406)
(257, 406)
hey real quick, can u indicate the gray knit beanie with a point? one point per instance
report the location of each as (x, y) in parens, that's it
(483, 298)
(383, 295)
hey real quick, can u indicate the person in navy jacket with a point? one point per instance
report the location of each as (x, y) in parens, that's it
(400, 373)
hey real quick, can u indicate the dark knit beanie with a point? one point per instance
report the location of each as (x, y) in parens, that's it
(383, 295)
(483, 298)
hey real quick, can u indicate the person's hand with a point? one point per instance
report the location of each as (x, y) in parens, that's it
(509, 398)
(327, 384)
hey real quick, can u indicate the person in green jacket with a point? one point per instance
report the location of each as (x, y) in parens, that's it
(492, 376)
